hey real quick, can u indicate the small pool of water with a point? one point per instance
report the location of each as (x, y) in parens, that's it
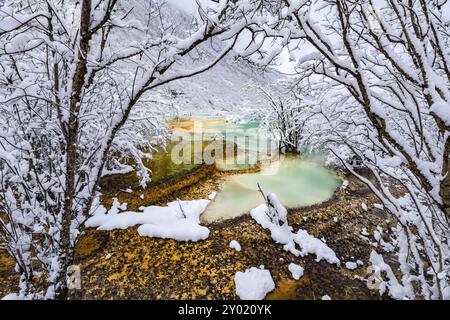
(297, 181)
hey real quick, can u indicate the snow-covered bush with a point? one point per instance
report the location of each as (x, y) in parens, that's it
(272, 215)
(275, 211)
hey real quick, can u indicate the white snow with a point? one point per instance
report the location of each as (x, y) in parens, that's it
(310, 244)
(159, 222)
(282, 233)
(351, 265)
(296, 270)
(364, 206)
(121, 170)
(11, 296)
(326, 297)
(344, 184)
(253, 284)
(212, 195)
(395, 289)
(442, 110)
(378, 206)
(235, 245)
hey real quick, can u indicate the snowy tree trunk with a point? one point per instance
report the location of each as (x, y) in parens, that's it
(445, 184)
(66, 251)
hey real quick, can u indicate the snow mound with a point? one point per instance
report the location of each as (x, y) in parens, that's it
(312, 245)
(282, 233)
(11, 296)
(253, 284)
(296, 271)
(212, 195)
(235, 245)
(351, 265)
(180, 220)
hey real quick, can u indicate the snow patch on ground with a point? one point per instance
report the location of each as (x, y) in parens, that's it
(296, 270)
(351, 265)
(180, 220)
(235, 245)
(253, 284)
(11, 296)
(212, 195)
(344, 184)
(312, 245)
(282, 233)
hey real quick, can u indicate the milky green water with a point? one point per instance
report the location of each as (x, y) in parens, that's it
(295, 180)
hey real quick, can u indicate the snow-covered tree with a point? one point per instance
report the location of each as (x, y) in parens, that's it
(379, 72)
(75, 77)
(283, 115)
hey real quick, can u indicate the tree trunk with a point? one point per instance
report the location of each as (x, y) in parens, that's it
(445, 184)
(66, 251)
